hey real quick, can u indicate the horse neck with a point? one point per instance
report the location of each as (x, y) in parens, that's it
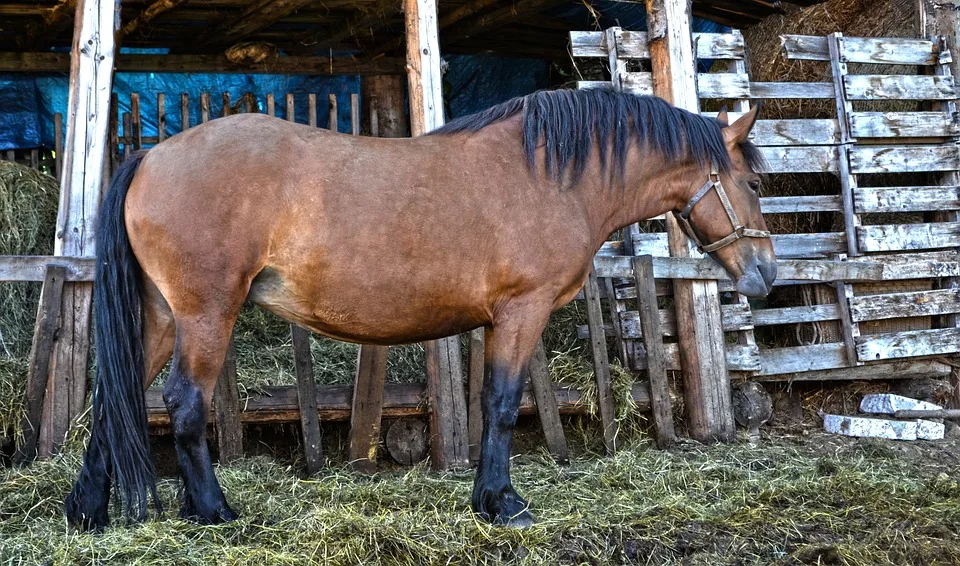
(648, 188)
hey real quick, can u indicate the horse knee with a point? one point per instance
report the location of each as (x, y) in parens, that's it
(185, 404)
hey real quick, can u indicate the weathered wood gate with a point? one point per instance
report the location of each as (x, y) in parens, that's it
(896, 257)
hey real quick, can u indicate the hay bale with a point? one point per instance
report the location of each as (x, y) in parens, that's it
(28, 213)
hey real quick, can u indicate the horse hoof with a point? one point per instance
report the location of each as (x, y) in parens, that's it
(522, 520)
(223, 514)
(84, 514)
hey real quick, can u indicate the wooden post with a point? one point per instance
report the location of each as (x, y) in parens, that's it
(547, 405)
(367, 408)
(226, 404)
(702, 353)
(940, 19)
(332, 112)
(44, 331)
(475, 393)
(312, 110)
(444, 367)
(390, 114)
(91, 82)
(184, 112)
(307, 399)
(161, 117)
(656, 358)
(601, 365)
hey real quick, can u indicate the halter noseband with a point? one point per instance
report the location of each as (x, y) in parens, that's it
(683, 217)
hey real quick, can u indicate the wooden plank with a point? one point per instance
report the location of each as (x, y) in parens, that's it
(225, 109)
(291, 113)
(635, 45)
(49, 62)
(795, 315)
(90, 85)
(656, 358)
(909, 344)
(161, 117)
(898, 87)
(184, 112)
(204, 107)
(307, 399)
(475, 388)
(333, 120)
(796, 359)
(355, 114)
(895, 237)
(709, 85)
(804, 47)
(785, 245)
(547, 405)
(903, 124)
(33, 268)
(795, 132)
(777, 90)
(41, 353)
(58, 143)
(906, 199)
(601, 365)
(817, 159)
(226, 402)
(365, 418)
(280, 404)
(902, 305)
(903, 159)
(909, 369)
(127, 134)
(312, 110)
(136, 121)
(788, 270)
(885, 50)
(800, 204)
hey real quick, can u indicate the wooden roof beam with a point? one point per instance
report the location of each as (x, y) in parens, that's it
(39, 62)
(482, 23)
(255, 17)
(149, 13)
(369, 20)
(453, 17)
(55, 20)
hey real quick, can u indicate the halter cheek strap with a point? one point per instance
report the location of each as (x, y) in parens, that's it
(739, 231)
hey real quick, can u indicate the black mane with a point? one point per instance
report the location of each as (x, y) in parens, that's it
(568, 122)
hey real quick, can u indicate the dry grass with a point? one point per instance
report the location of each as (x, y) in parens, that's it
(794, 501)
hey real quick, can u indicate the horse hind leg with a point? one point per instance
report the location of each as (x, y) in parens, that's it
(87, 504)
(509, 346)
(201, 345)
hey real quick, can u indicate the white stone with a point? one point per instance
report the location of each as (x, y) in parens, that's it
(888, 404)
(870, 427)
(930, 430)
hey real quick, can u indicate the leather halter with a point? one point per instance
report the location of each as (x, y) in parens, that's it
(739, 231)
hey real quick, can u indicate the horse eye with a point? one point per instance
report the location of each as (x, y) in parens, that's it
(754, 186)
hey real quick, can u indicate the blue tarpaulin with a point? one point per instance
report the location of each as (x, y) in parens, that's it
(472, 83)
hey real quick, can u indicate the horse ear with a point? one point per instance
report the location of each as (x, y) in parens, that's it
(738, 131)
(722, 116)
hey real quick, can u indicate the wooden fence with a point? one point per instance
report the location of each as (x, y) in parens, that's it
(887, 280)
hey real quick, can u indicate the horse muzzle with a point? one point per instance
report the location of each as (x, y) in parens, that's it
(757, 278)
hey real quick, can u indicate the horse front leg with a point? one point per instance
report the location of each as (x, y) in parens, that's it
(509, 346)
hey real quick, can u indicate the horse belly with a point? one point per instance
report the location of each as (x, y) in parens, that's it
(352, 313)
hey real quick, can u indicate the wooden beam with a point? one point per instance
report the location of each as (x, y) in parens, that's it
(255, 16)
(91, 82)
(706, 381)
(451, 18)
(367, 410)
(483, 23)
(226, 407)
(44, 62)
(367, 20)
(390, 111)
(656, 358)
(149, 13)
(55, 20)
(449, 443)
(307, 399)
(280, 404)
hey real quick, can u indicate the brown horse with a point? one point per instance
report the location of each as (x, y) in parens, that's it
(492, 221)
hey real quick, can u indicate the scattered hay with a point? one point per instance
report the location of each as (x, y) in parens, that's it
(28, 212)
(820, 500)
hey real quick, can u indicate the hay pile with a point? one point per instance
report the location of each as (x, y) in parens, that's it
(28, 212)
(821, 500)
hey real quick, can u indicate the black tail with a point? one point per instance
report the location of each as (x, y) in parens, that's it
(119, 444)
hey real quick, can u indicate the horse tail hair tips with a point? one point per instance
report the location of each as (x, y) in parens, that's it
(119, 418)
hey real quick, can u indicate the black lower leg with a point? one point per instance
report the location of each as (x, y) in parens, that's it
(494, 498)
(86, 506)
(203, 500)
